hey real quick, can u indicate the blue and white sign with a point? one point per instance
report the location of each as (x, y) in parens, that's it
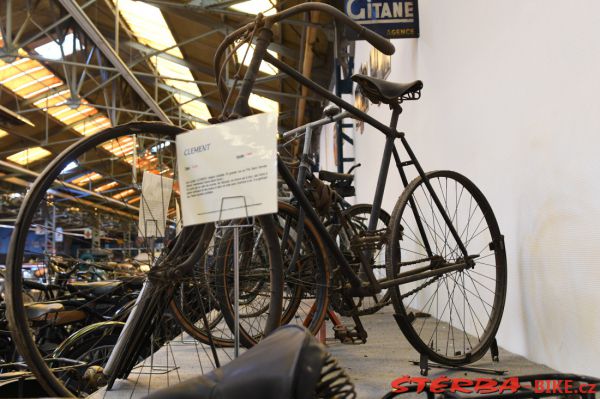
(391, 19)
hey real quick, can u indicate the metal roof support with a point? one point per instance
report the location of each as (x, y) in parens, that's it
(102, 44)
(27, 172)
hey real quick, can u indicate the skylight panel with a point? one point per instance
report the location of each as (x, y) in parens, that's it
(4, 133)
(255, 6)
(70, 166)
(29, 155)
(265, 67)
(121, 147)
(52, 50)
(262, 103)
(150, 28)
(30, 79)
(92, 125)
(87, 178)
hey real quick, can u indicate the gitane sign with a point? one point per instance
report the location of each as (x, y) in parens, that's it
(391, 19)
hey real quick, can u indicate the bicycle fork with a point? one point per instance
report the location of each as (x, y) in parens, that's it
(138, 328)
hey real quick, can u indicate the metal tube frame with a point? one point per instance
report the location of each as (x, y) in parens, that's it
(240, 108)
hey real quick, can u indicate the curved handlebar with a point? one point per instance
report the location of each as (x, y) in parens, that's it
(379, 42)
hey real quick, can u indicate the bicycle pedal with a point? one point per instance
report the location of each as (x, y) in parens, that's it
(349, 336)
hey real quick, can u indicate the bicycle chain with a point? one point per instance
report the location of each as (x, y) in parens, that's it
(425, 284)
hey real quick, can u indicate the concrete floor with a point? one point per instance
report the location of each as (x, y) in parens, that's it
(387, 355)
(372, 366)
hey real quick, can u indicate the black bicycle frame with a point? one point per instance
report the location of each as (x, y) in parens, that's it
(356, 287)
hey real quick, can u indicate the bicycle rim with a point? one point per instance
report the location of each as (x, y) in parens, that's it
(453, 317)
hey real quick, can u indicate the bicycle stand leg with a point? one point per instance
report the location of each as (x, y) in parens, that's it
(494, 350)
(424, 365)
(323, 333)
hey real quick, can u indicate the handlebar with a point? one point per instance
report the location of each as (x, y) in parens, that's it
(376, 40)
(373, 38)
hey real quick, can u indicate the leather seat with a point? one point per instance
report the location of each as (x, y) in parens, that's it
(382, 91)
(333, 177)
(96, 288)
(134, 282)
(36, 311)
(287, 364)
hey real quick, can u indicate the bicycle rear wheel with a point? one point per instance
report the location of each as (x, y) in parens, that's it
(354, 226)
(261, 285)
(451, 318)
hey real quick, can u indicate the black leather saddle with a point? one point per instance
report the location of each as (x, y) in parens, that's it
(382, 91)
(287, 364)
(95, 289)
(334, 177)
(36, 311)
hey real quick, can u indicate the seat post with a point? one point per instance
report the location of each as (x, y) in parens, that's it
(396, 111)
(385, 163)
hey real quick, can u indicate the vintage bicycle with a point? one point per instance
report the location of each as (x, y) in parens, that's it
(445, 256)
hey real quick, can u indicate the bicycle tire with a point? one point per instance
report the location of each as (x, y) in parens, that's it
(213, 280)
(309, 293)
(405, 243)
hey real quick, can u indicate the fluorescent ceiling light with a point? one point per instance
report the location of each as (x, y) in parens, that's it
(87, 178)
(124, 194)
(3, 133)
(53, 51)
(106, 186)
(255, 6)
(29, 155)
(150, 28)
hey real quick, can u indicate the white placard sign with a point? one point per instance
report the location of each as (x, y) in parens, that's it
(154, 204)
(229, 170)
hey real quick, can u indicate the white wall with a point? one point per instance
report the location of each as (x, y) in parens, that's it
(512, 100)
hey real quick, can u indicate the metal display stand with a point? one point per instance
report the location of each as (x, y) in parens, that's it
(236, 265)
(425, 365)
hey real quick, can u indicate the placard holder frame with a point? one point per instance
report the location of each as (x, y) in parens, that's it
(219, 225)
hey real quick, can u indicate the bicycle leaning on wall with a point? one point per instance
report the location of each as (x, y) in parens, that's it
(445, 255)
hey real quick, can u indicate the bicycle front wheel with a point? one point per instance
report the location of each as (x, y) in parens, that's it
(97, 181)
(453, 317)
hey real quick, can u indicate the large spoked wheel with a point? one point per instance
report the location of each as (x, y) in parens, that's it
(261, 286)
(196, 308)
(306, 271)
(98, 182)
(452, 317)
(201, 305)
